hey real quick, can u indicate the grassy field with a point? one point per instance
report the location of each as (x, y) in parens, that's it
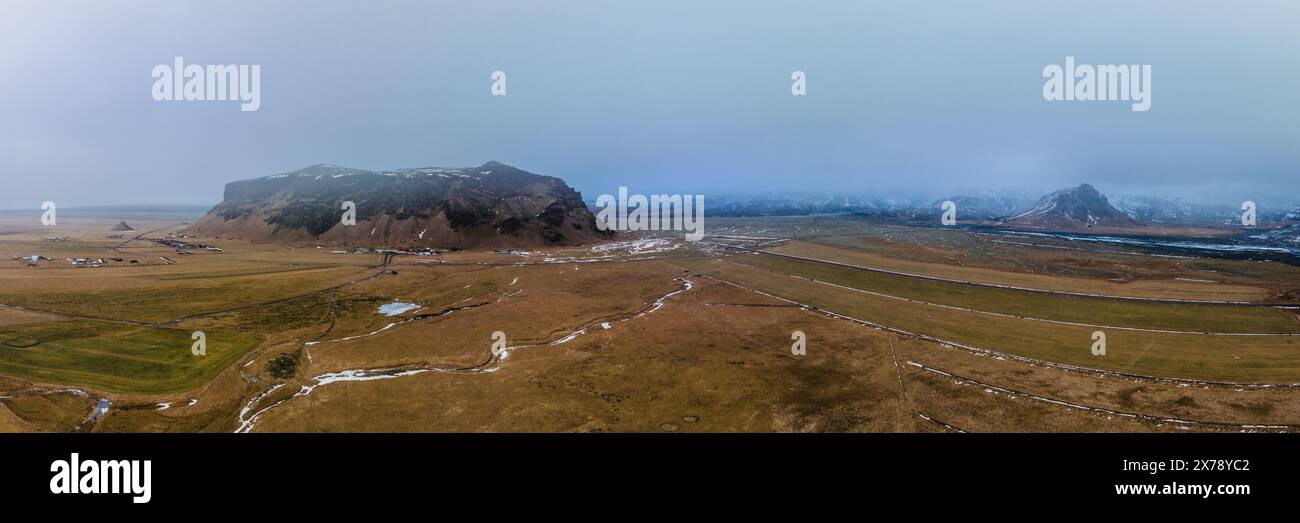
(1089, 310)
(1270, 359)
(1158, 280)
(710, 357)
(1057, 263)
(118, 358)
(157, 297)
(727, 370)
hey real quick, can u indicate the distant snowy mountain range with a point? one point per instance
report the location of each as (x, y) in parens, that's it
(1075, 208)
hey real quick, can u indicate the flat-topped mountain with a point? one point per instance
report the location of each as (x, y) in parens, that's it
(492, 205)
(1075, 208)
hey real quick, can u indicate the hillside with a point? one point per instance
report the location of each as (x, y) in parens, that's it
(1072, 209)
(492, 205)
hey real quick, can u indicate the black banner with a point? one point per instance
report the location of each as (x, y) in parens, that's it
(347, 471)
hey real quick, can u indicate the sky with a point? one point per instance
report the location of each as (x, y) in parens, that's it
(931, 97)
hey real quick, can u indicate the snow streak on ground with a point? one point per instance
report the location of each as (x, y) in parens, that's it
(634, 247)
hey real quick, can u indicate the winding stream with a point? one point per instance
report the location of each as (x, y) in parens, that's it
(247, 421)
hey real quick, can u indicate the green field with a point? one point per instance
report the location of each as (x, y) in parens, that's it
(1078, 309)
(1264, 359)
(118, 358)
(160, 298)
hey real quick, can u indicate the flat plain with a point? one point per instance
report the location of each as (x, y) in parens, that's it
(906, 328)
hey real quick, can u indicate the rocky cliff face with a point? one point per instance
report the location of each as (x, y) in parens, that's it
(492, 205)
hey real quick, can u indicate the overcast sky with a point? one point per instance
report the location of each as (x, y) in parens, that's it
(662, 96)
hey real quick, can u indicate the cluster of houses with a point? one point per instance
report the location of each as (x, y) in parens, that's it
(86, 262)
(78, 262)
(186, 247)
(57, 238)
(31, 260)
(96, 262)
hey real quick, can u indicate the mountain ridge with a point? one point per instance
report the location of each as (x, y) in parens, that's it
(491, 205)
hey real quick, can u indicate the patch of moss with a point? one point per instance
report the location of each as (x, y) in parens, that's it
(283, 366)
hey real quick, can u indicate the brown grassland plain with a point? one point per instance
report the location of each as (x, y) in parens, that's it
(679, 338)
